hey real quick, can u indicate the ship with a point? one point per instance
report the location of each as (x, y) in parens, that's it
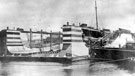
(70, 45)
(117, 46)
(113, 46)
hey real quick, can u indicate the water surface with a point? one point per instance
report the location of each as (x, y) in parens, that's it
(83, 68)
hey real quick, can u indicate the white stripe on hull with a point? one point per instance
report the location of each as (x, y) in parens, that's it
(14, 44)
(73, 38)
(73, 32)
(13, 31)
(9, 35)
(12, 40)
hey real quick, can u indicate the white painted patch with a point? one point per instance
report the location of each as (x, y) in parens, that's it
(121, 40)
(79, 49)
(22, 49)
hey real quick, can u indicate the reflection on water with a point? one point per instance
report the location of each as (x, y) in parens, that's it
(83, 68)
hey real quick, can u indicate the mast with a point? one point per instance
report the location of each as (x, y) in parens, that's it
(96, 14)
(41, 43)
(51, 40)
(30, 38)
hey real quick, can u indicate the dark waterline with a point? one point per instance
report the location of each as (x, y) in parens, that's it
(83, 68)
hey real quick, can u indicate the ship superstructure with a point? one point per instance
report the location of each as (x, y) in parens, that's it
(71, 44)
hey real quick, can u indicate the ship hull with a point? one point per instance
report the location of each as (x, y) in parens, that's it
(114, 54)
(31, 59)
(125, 59)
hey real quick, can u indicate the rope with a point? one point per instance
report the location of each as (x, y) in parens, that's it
(107, 61)
(113, 60)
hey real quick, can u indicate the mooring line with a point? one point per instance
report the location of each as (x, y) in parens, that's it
(107, 61)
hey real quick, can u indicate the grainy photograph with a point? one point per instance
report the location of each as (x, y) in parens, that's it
(67, 38)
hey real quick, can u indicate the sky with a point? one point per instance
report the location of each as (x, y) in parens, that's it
(52, 14)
